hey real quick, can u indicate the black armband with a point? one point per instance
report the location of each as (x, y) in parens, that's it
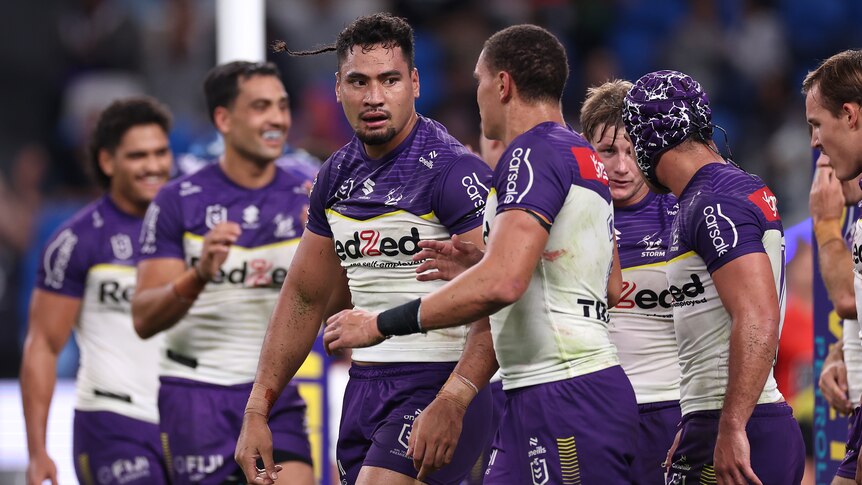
(401, 320)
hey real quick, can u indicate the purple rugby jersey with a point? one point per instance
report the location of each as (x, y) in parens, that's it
(92, 257)
(376, 211)
(724, 213)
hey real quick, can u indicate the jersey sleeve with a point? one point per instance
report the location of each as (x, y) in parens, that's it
(460, 194)
(163, 227)
(725, 229)
(317, 221)
(531, 176)
(63, 266)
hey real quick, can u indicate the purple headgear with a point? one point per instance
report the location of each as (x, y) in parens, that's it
(662, 109)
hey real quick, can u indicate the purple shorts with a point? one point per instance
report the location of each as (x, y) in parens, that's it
(498, 401)
(380, 404)
(847, 468)
(202, 421)
(110, 448)
(578, 430)
(777, 450)
(659, 422)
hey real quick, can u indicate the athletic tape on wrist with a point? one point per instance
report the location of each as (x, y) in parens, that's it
(261, 400)
(401, 320)
(827, 230)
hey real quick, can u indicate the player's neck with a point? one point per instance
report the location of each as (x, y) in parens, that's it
(522, 117)
(245, 172)
(678, 166)
(126, 205)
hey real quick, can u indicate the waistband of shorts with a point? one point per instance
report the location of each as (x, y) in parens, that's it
(651, 407)
(768, 410)
(398, 369)
(179, 381)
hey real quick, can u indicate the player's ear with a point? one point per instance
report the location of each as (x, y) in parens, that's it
(851, 110)
(338, 86)
(414, 80)
(505, 86)
(106, 162)
(221, 119)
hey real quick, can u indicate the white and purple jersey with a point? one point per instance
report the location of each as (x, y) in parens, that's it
(724, 213)
(376, 211)
(642, 322)
(218, 341)
(92, 257)
(559, 327)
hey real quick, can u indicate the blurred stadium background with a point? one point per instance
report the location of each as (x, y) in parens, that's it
(64, 60)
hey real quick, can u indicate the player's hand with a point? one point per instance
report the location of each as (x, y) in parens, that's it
(833, 380)
(349, 329)
(434, 437)
(732, 458)
(217, 244)
(826, 199)
(255, 442)
(41, 468)
(449, 259)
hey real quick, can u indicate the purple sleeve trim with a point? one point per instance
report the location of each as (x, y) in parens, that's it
(163, 228)
(317, 222)
(533, 178)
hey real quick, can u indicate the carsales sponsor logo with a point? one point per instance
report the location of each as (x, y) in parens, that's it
(520, 161)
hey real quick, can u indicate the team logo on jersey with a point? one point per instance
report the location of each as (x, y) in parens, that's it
(428, 162)
(344, 190)
(589, 164)
(62, 247)
(121, 244)
(519, 161)
(652, 247)
(215, 215)
(713, 216)
(476, 191)
(766, 202)
(284, 226)
(123, 470)
(393, 196)
(250, 217)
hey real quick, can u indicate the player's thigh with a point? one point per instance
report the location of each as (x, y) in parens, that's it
(372, 475)
(295, 473)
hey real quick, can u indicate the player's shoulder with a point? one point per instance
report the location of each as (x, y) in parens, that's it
(191, 184)
(434, 147)
(89, 219)
(735, 189)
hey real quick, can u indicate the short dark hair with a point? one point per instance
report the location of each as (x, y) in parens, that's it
(534, 58)
(604, 105)
(116, 120)
(366, 32)
(221, 86)
(839, 79)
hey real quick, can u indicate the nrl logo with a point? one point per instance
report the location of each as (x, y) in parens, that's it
(216, 214)
(121, 244)
(539, 471)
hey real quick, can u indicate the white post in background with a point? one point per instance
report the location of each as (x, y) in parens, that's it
(240, 31)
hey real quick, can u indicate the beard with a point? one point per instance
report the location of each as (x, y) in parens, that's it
(377, 138)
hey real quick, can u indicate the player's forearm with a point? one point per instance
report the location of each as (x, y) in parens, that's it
(753, 344)
(836, 269)
(160, 308)
(38, 377)
(478, 361)
(292, 329)
(478, 292)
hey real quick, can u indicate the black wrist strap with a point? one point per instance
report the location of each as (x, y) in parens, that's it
(401, 320)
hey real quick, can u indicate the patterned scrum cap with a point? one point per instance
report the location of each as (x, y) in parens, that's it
(662, 109)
